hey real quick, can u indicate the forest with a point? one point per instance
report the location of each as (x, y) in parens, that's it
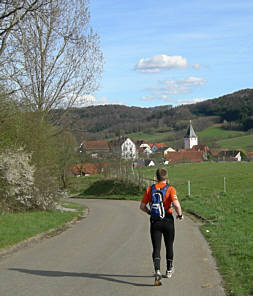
(110, 121)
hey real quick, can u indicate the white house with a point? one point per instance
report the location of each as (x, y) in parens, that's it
(238, 156)
(149, 163)
(128, 150)
(190, 139)
(146, 149)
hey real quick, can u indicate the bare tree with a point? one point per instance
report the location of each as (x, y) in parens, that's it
(11, 13)
(57, 59)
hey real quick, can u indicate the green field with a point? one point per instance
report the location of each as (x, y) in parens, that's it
(244, 142)
(217, 132)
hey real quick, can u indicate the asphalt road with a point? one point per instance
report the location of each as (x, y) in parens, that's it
(109, 253)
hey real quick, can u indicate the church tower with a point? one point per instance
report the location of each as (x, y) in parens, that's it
(190, 139)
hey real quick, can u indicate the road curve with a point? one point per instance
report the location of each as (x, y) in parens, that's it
(109, 253)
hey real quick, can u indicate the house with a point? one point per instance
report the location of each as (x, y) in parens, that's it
(158, 146)
(145, 148)
(184, 156)
(149, 163)
(190, 139)
(168, 150)
(88, 168)
(229, 155)
(250, 156)
(84, 169)
(128, 150)
(200, 148)
(95, 148)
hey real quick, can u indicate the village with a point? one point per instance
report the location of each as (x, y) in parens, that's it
(143, 154)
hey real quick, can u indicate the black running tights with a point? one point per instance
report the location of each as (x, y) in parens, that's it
(166, 229)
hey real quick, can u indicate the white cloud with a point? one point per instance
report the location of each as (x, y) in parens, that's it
(104, 101)
(180, 86)
(161, 62)
(166, 88)
(190, 100)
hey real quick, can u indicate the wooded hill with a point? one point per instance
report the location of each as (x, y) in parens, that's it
(109, 121)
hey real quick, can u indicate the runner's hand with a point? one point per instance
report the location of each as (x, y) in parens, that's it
(180, 217)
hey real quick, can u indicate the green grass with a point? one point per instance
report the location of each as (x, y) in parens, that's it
(217, 132)
(78, 184)
(111, 189)
(15, 228)
(244, 142)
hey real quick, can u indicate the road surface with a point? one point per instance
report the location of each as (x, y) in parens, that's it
(109, 253)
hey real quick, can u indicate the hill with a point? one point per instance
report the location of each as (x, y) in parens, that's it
(110, 121)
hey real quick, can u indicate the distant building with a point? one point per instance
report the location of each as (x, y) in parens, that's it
(184, 156)
(190, 139)
(158, 147)
(200, 148)
(168, 150)
(228, 155)
(95, 147)
(128, 150)
(124, 147)
(149, 163)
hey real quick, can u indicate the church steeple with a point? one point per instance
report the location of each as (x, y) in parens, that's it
(190, 139)
(190, 132)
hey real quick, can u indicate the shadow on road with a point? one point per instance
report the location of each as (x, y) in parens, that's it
(100, 276)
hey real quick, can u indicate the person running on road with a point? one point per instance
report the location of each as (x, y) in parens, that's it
(165, 226)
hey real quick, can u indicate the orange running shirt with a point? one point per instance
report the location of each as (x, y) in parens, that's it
(170, 196)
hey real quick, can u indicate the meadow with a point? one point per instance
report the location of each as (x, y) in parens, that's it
(218, 133)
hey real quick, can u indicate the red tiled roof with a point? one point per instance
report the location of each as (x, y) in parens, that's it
(96, 145)
(200, 148)
(87, 168)
(188, 156)
(160, 145)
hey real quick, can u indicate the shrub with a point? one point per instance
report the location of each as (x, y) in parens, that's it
(17, 180)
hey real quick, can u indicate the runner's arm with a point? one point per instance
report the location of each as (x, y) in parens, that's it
(144, 208)
(177, 208)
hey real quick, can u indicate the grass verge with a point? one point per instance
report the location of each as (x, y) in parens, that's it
(15, 228)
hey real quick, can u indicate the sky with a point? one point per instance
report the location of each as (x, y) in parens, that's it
(162, 52)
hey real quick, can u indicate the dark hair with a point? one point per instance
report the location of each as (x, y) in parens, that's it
(161, 174)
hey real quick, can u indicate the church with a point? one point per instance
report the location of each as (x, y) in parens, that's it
(190, 139)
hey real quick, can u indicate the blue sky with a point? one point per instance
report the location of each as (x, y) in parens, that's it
(173, 52)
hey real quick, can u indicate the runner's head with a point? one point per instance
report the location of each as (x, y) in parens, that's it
(161, 174)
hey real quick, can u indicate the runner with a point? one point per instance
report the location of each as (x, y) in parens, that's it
(163, 226)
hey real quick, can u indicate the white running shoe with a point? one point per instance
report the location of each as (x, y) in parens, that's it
(169, 273)
(158, 273)
(158, 278)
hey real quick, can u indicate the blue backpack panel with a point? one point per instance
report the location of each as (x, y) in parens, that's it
(157, 211)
